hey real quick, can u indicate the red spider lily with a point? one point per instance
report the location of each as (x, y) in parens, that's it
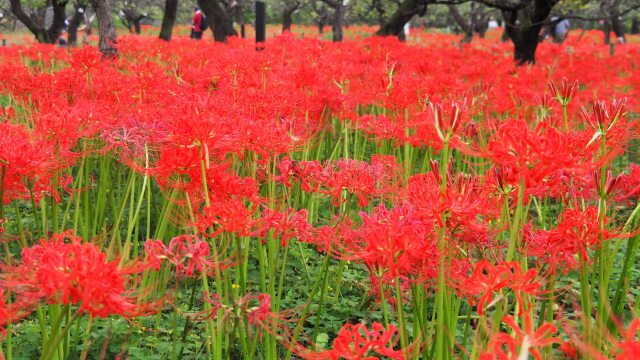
(256, 310)
(466, 206)
(435, 126)
(383, 285)
(357, 342)
(629, 348)
(231, 216)
(362, 179)
(446, 127)
(630, 183)
(487, 279)
(565, 92)
(5, 312)
(610, 184)
(565, 185)
(381, 127)
(503, 346)
(85, 59)
(27, 161)
(531, 154)
(577, 233)
(544, 102)
(187, 253)
(285, 225)
(55, 271)
(392, 240)
(602, 119)
(568, 350)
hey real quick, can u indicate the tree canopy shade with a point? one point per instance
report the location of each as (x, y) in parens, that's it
(523, 25)
(74, 24)
(523, 21)
(168, 19)
(289, 7)
(41, 33)
(106, 28)
(219, 18)
(338, 18)
(406, 11)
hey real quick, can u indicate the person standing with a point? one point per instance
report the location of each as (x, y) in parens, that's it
(561, 30)
(196, 24)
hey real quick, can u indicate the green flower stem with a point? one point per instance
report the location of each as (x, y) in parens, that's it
(404, 343)
(514, 238)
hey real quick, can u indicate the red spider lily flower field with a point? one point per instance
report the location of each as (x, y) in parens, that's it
(369, 199)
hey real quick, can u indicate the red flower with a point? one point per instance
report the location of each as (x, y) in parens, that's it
(629, 348)
(187, 253)
(602, 119)
(357, 342)
(487, 279)
(5, 313)
(531, 154)
(503, 346)
(568, 350)
(565, 92)
(71, 272)
(446, 127)
(285, 225)
(577, 233)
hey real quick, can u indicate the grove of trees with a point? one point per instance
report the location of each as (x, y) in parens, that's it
(523, 20)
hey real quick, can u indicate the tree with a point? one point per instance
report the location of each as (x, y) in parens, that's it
(338, 18)
(290, 6)
(523, 24)
(238, 14)
(132, 18)
(41, 33)
(466, 27)
(168, 19)
(612, 22)
(394, 26)
(74, 23)
(523, 21)
(322, 15)
(106, 29)
(220, 20)
(7, 20)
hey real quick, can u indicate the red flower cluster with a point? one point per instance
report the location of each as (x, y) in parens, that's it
(186, 253)
(63, 270)
(357, 342)
(487, 279)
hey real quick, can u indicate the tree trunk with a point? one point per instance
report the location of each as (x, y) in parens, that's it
(406, 11)
(606, 30)
(635, 26)
(89, 27)
(505, 36)
(41, 33)
(478, 20)
(221, 23)
(74, 24)
(287, 20)
(168, 19)
(321, 28)
(336, 26)
(466, 28)
(106, 30)
(523, 27)
(239, 15)
(617, 26)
